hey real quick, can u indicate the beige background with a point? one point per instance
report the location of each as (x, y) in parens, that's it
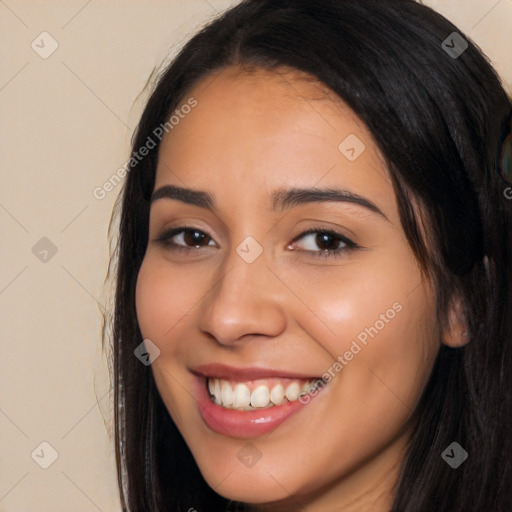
(65, 126)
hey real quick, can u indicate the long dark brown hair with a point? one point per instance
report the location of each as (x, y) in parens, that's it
(437, 118)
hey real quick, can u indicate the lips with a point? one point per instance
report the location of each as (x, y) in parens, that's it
(221, 371)
(247, 402)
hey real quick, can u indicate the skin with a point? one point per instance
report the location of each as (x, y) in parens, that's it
(290, 309)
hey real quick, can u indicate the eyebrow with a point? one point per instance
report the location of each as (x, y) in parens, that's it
(282, 199)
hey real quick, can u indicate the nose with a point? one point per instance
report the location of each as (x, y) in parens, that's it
(246, 300)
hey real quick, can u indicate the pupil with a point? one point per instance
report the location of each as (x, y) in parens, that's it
(325, 241)
(194, 238)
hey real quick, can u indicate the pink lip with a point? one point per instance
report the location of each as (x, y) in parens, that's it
(221, 371)
(240, 424)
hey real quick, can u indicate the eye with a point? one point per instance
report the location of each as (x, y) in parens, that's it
(184, 238)
(324, 243)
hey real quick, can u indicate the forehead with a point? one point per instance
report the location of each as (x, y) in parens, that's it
(269, 129)
(261, 101)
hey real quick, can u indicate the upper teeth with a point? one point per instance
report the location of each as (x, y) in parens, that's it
(252, 395)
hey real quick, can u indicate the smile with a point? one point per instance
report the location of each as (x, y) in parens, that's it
(250, 402)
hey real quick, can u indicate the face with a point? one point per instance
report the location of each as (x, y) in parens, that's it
(295, 331)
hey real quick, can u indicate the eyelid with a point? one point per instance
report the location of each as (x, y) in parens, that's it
(344, 238)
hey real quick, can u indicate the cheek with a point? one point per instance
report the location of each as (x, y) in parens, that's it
(374, 296)
(164, 297)
(379, 330)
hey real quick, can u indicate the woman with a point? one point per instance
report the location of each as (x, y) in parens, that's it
(313, 307)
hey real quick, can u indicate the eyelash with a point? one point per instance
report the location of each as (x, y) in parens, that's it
(164, 239)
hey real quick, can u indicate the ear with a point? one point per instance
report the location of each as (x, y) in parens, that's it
(456, 333)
